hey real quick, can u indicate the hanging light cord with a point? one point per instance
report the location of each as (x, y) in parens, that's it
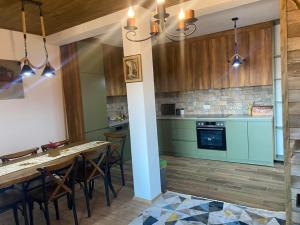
(235, 38)
(24, 29)
(43, 32)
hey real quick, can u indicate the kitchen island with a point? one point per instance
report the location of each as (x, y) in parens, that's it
(247, 139)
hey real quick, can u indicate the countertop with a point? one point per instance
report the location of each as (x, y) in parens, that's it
(226, 118)
(117, 123)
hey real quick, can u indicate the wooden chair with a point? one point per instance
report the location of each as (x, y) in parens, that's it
(54, 145)
(93, 167)
(18, 155)
(117, 153)
(12, 199)
(60, 185)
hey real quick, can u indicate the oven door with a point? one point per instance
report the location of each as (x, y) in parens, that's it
(211, 138)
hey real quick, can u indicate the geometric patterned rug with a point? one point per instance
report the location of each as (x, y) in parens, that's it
(180, 209)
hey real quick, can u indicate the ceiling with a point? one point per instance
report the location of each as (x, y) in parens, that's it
(248, 15)
(63, 14)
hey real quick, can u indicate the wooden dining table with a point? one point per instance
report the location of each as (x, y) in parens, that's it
(29, 172)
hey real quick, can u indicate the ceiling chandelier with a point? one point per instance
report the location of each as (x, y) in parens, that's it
(185, 25)
(236, 60)
(28, 68)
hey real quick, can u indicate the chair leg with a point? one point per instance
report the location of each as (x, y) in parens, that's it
(31, 212)
(110, 183)
(74, 209)
(91, 188)
(106, 190)
(87, 200)
(16, 216)
(122, 173)
(46, 213)
(69, 202)
(55, 202)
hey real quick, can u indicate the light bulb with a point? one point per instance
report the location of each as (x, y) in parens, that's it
(130, 12)
(181, 15)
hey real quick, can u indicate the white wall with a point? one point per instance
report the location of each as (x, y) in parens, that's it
(39, 117)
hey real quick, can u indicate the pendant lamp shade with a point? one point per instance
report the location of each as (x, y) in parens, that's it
(49, 71)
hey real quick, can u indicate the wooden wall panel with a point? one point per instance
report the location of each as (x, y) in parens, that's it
(72, 92)
(290, 54)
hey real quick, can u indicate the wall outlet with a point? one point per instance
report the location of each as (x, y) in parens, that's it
(206, 107)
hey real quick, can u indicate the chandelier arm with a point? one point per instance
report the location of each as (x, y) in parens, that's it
(139, 40)
(194, 28)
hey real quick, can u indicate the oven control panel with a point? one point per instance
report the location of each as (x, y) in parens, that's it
(210, 124)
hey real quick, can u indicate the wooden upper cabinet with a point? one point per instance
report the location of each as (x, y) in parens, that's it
(113, 70)
(160, 69)
(170, 68)
(260, 50)
(239, 77)
(219, 62)
(198, 63)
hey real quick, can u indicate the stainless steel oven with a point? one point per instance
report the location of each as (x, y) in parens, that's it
(211, 135)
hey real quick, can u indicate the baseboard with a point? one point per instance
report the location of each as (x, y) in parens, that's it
(149, 202)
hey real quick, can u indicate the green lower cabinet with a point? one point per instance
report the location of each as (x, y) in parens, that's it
(164, 128)
(237, 141)
(261, 145)
(185, 149)
(212, 154)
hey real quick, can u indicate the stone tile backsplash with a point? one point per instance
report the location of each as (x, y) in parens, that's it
(224, 101)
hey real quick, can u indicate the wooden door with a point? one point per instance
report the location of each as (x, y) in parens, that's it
(218, 47)
(260, 49)
(198, 63)
(113, 69)
(239, 77)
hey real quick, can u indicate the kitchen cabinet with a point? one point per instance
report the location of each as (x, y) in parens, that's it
(160, 69)
(92, 82)
(164, 136)
(170, 68)
(199, 63)
(113, 69)
(261, 146)
(249, 140)
(239, 77)
(219, 66)
(237, 140)
(260, 50)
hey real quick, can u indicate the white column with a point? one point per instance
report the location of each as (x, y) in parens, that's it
(142, 114)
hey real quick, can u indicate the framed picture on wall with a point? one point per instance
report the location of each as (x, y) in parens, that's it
(133, 68)
(11, 83)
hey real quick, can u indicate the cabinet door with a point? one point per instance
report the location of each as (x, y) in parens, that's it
(179, 79)
(260, 48)
(113, 69)
(237, 140)
(218, 47)
(239, 77)
(164, 128)
(198, 63)
(160, 68)
(261, 148)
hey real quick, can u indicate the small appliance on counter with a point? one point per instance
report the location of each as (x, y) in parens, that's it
(180, 112)
(167, 109)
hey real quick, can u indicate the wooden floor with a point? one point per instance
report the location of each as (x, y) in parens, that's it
(249, 185)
